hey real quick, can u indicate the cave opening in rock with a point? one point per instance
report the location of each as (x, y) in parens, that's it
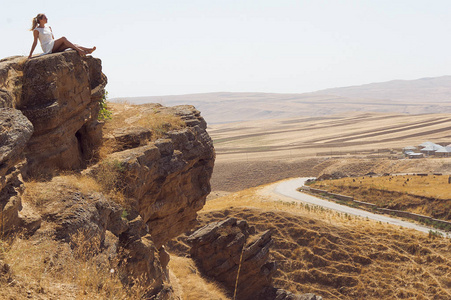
(79, 137)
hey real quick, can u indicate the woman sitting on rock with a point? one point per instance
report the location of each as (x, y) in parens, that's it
(48, 43)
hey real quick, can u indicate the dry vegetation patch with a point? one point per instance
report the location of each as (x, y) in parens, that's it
(153, 116)
(427, 195)
(157, 119)
(339, 256)
(193, 284)
(43, 267)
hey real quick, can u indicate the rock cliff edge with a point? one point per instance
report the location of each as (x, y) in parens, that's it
(49, 109)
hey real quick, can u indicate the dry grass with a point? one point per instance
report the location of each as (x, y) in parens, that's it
(108, 181)
(159, 120)
(39, 193)
(108, 174)
(108, 146)
(160, 123)
(429, 195)
(193, 285)
(43, 268)
(339, 256)
(433, 186)
(257, 198)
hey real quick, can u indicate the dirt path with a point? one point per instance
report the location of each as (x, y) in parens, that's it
(286, 191)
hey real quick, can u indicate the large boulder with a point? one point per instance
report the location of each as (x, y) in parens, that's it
(233, 254)
(222, 249)
(59, 93)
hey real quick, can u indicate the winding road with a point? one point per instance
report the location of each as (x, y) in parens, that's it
(289, 188)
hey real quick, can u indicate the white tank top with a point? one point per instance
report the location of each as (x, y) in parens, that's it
(45, 38)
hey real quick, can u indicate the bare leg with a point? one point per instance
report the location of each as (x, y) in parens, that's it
(62, 44)
(87, 50)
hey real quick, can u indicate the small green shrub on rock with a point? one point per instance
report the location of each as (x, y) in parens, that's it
(104, 113)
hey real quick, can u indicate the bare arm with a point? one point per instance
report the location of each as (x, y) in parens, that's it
(52, 32)
(35, 42)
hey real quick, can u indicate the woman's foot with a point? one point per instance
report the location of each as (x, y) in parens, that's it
(91, 50)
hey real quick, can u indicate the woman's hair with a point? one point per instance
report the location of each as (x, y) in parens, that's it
(35, 21)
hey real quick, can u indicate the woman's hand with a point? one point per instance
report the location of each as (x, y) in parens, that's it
(35, 42)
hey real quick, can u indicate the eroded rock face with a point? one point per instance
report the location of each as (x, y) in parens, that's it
(15, 132)
(92, 214)
(59, 94)
(167, 181)
(129, 138)
(221, 248)
(11, 71)
(170, 178)
(77, 217)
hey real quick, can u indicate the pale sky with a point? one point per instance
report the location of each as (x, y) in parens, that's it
(166, 47)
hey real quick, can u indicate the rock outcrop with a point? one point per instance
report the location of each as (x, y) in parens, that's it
(80, 217)
(166, 181)
(169, 179)
(233, 254)
(221, 249)
(59, 94)
(15, 132)
(55, 102)
(11, 72)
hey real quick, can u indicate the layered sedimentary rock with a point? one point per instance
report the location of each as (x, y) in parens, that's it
(169, 179)
(90, 218)
(165, 181)
(222, 248)
(59, 94)
(11, 73)
(233, 254)
(15, 132)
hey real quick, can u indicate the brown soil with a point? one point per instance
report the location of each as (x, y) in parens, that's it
(233, 176)
(259, 152)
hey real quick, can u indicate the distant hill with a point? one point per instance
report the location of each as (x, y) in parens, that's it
(421, 96)
(434, 89)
